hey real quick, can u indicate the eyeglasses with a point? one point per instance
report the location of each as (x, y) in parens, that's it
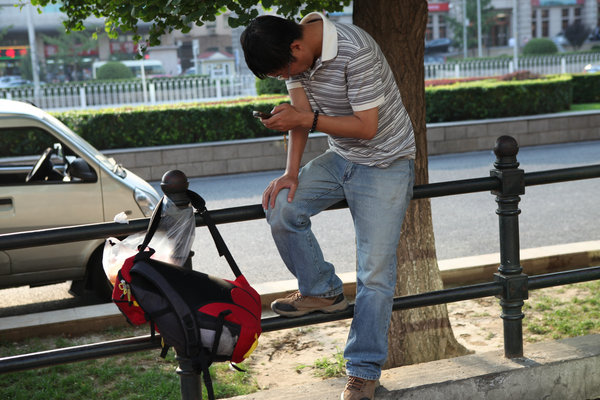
(280, 77)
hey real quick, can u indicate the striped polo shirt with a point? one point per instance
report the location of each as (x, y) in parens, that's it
(352, 75)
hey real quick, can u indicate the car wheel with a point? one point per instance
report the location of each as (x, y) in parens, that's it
(95, 282)
(100, 283)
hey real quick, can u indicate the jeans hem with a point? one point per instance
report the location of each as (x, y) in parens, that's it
(333, 293)
(363, 376)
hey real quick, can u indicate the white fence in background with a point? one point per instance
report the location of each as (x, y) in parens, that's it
(544, 65)
(90, 94)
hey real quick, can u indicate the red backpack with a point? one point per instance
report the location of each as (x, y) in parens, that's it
(204, 318)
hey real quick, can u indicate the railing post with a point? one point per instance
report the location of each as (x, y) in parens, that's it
(218, 88)
(191, 387)
(82, 99)
(174, 184)
(509, 275)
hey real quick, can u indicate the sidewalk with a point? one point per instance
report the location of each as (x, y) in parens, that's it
(561, 370)
(455, 272)
(565, 369)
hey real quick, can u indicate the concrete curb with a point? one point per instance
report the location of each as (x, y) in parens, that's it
(455, 272)
(565, 369)
(475, 269)
(264, 154)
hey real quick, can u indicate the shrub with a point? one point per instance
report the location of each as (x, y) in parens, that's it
(520, 76)
(540, 46)
(270, 86)
(586, 88)
(576, 34)
(170, 124)
(195, 123)
(497, 99)
(114, 70)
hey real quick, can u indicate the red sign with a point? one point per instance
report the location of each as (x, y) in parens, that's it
(438, 7)
(12, 52)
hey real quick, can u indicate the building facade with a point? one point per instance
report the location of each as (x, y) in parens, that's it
(176, 52)
(534, 19)
(188, 52)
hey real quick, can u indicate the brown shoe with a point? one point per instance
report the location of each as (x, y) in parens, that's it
(359, 389)
(295, 305)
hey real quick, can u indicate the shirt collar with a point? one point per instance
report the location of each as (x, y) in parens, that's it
(329, 47)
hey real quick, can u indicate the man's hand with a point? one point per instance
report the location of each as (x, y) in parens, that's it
(283, 182)
(286, 117)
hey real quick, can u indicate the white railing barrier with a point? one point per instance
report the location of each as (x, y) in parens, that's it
(92, 94)
(152, 91)
(542, 65)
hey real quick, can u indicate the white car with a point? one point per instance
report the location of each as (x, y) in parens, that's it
(51, 177)
(9, 80)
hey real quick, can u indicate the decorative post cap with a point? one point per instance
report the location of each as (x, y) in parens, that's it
(174, 185)
(506, 149)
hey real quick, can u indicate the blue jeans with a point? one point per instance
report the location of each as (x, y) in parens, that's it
(377, 199)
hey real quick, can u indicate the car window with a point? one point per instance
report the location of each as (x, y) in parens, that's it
(22, 142)
(23, 147)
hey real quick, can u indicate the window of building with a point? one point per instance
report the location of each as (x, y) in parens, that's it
(429, 31)
(545, 23)
(564, 19)
(499, 34)
(577, 15)
(442, 26)
(534, 24)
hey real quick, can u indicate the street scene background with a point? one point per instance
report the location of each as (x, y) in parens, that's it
(464, 225)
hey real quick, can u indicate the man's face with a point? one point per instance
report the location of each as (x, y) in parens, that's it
(301, 62)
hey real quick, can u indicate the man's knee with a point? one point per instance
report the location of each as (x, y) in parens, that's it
(286, 216)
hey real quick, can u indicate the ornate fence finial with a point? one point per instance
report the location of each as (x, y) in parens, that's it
(174, 185)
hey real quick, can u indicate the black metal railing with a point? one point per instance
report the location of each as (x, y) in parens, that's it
(506, 181)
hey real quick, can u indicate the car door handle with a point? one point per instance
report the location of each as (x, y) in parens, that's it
(6, 204)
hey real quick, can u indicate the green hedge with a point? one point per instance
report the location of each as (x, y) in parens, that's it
(586, 88)
(167, 125)
(497, 99)
(195, 123)
(270, 86)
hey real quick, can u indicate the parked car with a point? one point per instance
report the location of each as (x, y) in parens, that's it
(591, 68)
(433, 59)
(20, 82)
(51, 177)
(9, 80)
(441, 45)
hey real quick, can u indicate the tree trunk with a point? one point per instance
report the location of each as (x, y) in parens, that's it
(421, 334)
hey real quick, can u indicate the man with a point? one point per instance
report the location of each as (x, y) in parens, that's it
(339, 83)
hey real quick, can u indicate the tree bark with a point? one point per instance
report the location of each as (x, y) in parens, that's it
(421, 334)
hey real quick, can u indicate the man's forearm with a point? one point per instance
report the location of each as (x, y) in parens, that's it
(297, 144)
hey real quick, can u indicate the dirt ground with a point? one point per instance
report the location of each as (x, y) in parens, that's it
(287, 357)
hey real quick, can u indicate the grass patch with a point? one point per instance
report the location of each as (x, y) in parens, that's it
(550, 317)
(584, 107)
(135, 376)
(331, 367)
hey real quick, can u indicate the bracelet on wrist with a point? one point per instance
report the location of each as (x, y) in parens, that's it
(315, 119)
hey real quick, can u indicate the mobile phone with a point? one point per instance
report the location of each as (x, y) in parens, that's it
(260, 114)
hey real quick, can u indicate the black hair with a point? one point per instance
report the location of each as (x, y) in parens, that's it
(266, 42)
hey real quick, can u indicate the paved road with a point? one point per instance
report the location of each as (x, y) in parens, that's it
(464, 225)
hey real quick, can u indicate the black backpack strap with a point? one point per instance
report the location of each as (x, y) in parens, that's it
(185, 315)
(200, 205)
(204, 364)
(152, 226)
